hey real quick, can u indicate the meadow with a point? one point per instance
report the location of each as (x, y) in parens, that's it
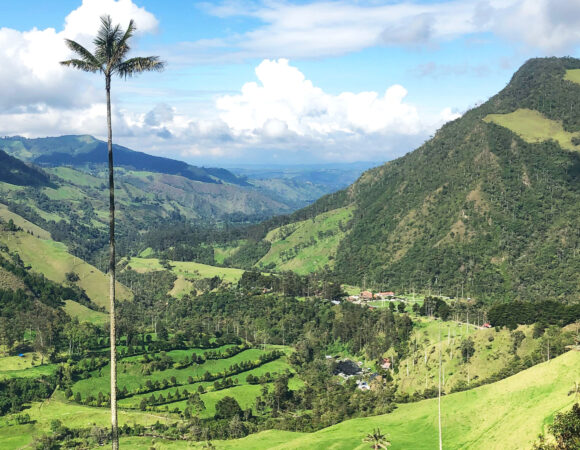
(533, 127)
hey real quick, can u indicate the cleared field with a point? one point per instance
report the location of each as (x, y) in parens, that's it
(84, 314)
(573, 75)
(76, 177)
(72, 415)
(52, 259)
(505, 415)
(6, 215)
(181, 287)
(221, 253)
(307, 246)
(10, 368)
(493, 352)
(533, 127)
(264, 440)
(131, 377)
(187, 270)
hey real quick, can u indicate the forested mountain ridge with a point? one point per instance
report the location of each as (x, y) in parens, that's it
(14, 171)
(487, 206)
(80, 151)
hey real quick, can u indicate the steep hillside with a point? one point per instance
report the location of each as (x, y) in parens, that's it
(14, 171)
(488, 206)
(34, 249)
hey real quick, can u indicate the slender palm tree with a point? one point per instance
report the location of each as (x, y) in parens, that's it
(377, 439)
(109, 58)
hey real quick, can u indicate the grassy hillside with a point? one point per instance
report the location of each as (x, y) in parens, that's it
(187, 272)
(493, 352)
(52, 259)
(533, 127)
(306, 246)
(505, 415)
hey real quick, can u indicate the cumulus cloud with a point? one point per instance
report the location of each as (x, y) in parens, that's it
(283, 101)
(284, 115)
(30, 73)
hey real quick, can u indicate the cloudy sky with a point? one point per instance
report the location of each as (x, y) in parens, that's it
(274, 81)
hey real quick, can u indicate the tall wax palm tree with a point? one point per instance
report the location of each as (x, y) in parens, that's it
(109, 58)
(377, 439)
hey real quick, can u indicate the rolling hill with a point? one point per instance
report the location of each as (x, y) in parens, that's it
(508, 414)
(487, 206)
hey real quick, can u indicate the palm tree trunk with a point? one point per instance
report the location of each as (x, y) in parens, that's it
(114, 424)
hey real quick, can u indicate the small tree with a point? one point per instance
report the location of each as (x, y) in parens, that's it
(227, 408)
(377, 439)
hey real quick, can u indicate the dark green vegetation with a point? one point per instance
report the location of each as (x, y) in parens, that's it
(14, 171)
(476, 208)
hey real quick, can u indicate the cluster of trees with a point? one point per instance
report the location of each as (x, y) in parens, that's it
(526, 313)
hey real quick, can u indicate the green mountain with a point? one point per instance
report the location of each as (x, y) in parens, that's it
(487, 207)
(14, 171)
(82, 151)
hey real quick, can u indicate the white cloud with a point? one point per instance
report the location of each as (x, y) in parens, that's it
(328, 28)
(284, 101)
(284, 116)
(30, 73)
(547, 25)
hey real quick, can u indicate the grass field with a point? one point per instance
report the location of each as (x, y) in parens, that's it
(131, 377)
(23, 368)
(307, 246)
(573, 75)
(186, 271)
(505, 415)
(71, 415)
(533, 127)
(6, 215)
(492, 354)
(84, 314)
(53, 260)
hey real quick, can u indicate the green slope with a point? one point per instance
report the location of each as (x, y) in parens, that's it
(53, 260)
(505, 415)
(309, 245)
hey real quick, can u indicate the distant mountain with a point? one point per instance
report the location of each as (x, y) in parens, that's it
(487, 207)
(301, 185)
(14, 171)
(81, 151)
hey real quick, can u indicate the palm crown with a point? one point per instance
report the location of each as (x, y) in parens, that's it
(111, 48)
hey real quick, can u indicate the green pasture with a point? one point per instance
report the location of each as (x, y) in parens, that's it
(6, 215)
(573, 75)
(70, 414)
(84, 314)
(505, 415)
(187, 269)
(533, 127)
(130, 374)
(307, 246)
(53, 260)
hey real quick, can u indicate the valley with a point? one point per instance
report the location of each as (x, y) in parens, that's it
(301, 307)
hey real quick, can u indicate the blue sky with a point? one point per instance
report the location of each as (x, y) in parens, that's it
(276, 81)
